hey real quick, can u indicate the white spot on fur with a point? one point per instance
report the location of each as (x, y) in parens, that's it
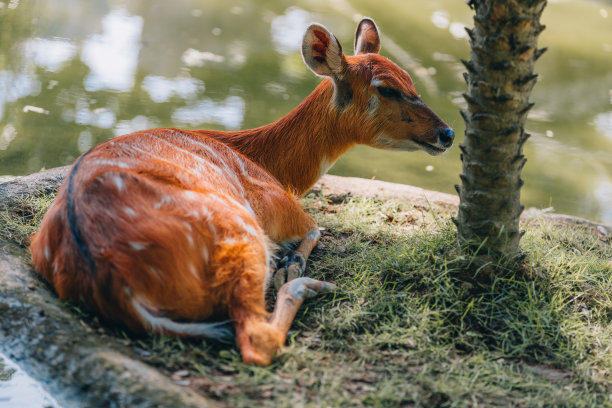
(248, 228)
(229, 200)
(112, 163)
(154, 271)
(188, 226)
(164, 201)
(205, 212)
(190, 239)
(228, 241)
(129, 211)
(207, 216)
(190, 195)
(216, 198)
(376, 82)
(240, 161)
(194, 271)
(137, 246)
(119, 183)
(205, 254)
(249, 208)
(228, 171)
(47, 254)
(191, 154)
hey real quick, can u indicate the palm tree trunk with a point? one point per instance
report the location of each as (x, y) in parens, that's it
(500, 79)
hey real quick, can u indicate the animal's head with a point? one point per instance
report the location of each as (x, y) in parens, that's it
(375, 93)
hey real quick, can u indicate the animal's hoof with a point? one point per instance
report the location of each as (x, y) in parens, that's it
(289, 268)
(304, 288)
(280, 278)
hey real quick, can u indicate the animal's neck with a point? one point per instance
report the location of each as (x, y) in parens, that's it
(300, 147)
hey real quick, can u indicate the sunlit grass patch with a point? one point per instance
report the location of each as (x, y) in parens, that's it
(405, 328)
(22, 218)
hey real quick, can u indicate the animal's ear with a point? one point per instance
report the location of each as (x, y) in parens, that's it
(366, 37)
(322, 52)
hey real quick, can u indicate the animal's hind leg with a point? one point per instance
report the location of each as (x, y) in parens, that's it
(260, 340)
(292, 266)
(285, 222)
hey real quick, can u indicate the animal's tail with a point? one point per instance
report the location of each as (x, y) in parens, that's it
(220, 331)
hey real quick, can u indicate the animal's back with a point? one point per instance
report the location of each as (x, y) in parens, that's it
(168, 227)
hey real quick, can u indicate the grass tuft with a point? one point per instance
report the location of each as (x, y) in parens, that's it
(22, 218)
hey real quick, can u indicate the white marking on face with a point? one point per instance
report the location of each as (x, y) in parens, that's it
(414, 100)
(119, 183)
(372, 105)
(137, 246)
(384, 142)
(129, 211)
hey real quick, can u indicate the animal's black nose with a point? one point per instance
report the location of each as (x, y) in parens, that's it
(446, 137)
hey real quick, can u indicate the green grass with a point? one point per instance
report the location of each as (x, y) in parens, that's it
(22, 217)
(405, 328)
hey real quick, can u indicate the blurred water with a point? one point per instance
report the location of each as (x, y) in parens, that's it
(18, 390)
(74, 74)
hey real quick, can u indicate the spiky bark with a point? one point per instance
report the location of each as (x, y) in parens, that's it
(500, 79)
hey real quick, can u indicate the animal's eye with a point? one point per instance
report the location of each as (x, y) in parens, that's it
(389, 92)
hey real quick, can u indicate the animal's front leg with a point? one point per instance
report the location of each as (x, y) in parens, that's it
(260, 340)
(293, 265)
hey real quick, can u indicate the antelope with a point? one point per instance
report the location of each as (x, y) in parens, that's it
(173, 231)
